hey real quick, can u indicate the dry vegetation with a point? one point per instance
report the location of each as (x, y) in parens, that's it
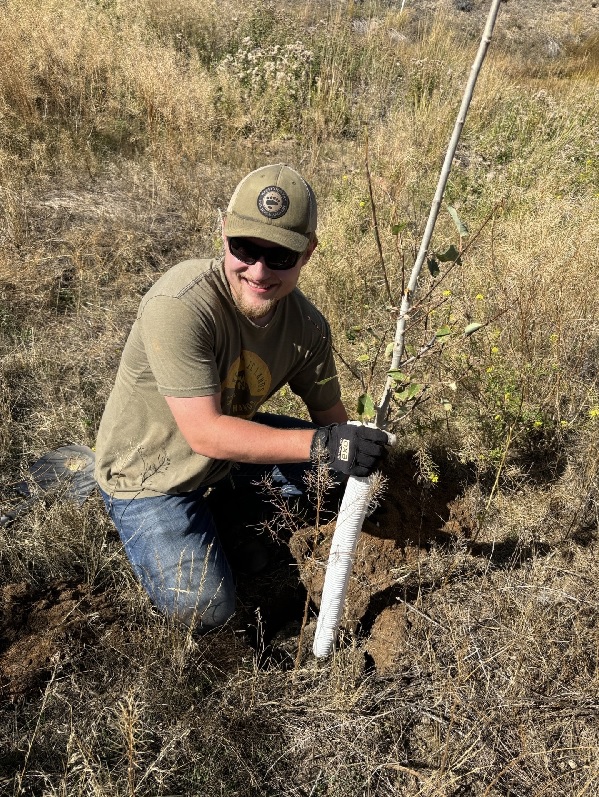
(123, 127)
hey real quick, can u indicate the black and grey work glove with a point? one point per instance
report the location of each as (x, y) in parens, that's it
(349, 448)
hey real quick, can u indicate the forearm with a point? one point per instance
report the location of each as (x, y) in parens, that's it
(246, 441)
(212, 434)
(238, 440)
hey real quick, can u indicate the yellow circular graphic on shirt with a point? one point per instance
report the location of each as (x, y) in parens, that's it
(246, 385)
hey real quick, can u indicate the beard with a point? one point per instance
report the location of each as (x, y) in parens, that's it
(252, 312)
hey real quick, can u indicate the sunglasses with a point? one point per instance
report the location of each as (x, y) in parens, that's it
(277, 258)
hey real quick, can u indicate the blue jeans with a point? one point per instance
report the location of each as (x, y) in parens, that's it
(173, 545)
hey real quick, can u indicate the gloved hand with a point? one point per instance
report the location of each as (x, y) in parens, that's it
(349, 448)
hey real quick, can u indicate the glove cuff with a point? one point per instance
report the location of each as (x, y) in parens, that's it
(319, 451)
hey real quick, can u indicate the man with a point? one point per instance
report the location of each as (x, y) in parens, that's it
(213, 339)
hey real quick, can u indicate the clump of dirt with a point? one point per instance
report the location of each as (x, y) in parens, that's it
(388, 638)
(40, 630)
(414, 515)
(55, 629)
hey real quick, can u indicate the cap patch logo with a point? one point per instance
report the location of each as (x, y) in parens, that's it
(273, 202)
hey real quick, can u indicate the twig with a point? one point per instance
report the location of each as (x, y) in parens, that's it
(495, 486)
(449, 269)
(375, 225)
(338, 354)
(421, 614)
(21, 775)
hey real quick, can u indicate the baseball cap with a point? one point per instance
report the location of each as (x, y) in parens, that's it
(274, 203)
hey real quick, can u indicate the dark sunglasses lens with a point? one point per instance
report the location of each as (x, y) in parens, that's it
(277, 258)
(243, 250)
(280, 259)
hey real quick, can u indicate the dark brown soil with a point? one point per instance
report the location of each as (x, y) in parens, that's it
(414, 515)
(41, 629)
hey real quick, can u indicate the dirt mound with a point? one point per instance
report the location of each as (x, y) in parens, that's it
(40, 630)
(43, 630)
(414, 515)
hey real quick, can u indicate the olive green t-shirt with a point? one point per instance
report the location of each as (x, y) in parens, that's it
(189, 340)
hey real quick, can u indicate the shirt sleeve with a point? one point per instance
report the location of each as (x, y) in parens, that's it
(179, 345)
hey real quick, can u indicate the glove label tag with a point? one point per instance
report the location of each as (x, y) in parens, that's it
(343, 454)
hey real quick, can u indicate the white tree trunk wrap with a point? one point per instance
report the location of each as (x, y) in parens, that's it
(354, 506)
(341, 559)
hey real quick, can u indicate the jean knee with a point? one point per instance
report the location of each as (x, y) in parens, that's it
(173, 548)
(197, 590)
(207, 611)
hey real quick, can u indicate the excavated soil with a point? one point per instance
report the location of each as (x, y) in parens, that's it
(49, 627)
(40, 629)
(413, 516)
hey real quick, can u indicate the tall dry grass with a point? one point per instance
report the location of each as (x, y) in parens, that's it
(123, 128)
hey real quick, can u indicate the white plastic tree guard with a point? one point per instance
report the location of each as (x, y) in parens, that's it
(356, 499)
(341, 559)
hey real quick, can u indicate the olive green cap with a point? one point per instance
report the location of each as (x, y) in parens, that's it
(274, 203)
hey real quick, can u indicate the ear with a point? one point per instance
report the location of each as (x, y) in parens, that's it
(309, 251)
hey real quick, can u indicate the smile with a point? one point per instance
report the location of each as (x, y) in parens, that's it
(259, 287)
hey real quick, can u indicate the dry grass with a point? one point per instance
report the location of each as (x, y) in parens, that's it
(123, 127)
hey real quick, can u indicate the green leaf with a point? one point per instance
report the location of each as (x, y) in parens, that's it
(443, 332)
(451, 255)
(366, 406)
(409, 393)
(389, 350)
(461, 227)
(400, 227)
(433, 266)
(398, 376)
(363, 358)
(472, 328)
(328, 379)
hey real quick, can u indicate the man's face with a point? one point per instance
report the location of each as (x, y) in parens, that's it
(256, 289)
